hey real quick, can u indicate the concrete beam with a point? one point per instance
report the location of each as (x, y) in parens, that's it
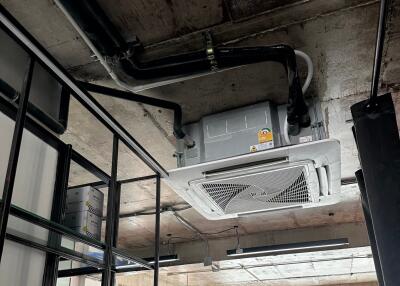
(195, 251)
(275, 19)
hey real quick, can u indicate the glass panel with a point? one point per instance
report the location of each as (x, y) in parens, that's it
(39, 235)
(18, 259)
(80, 251)
(64, 281)
(93, 280)
(7, 128)
(45, 92)
(36, 172)
(13, 62)
(85, 249)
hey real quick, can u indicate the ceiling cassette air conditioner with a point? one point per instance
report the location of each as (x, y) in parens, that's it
(296, 176)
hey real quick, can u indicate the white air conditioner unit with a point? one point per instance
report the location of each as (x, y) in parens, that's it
(302, 175)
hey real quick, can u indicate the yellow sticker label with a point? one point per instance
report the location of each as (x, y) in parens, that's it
(265, 135)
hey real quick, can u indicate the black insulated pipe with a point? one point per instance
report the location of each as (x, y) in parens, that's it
(176, 108)
(297, 110)
(97, 26)
(90, 18)
(227, 58)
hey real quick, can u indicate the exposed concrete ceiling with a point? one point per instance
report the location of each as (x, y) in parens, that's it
(338, 35)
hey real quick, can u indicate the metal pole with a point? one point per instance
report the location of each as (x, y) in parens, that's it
(58, 212)
(132, 180)
(14, 154)
(380, 39)
(370, 227)
(157, 231)
(107, 277)
(117, 201)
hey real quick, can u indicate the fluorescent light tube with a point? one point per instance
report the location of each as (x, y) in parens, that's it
(291, 247)
(163, 259)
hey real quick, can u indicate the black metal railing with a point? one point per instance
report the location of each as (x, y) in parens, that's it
(18, 112)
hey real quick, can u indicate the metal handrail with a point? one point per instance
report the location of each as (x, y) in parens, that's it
(37, 51)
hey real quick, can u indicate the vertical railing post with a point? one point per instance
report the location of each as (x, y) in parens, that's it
(107, 277)
(14, 154)
(117, 200)
(157, 231)
(57, 213)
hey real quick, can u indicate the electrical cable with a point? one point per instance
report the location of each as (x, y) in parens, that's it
(202, 235)
(153, 212)
(218, 232)
(184, 222)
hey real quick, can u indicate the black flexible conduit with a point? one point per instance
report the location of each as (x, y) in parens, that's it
(103, 34)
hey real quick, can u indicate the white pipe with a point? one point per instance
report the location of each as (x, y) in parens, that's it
(310, 69)
(92, 47)
(310, 74)
(109, 69)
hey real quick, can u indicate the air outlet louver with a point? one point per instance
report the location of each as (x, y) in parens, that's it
(223, 193)
(297, 192)
(260, 190)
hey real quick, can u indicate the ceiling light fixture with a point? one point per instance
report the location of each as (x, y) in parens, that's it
(163, 259)
(291, 247)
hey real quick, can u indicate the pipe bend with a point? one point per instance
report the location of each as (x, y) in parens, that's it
(102, 37)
